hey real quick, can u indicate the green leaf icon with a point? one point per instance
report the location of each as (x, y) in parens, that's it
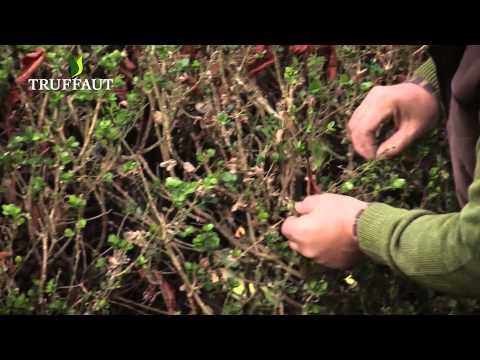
(75, 66)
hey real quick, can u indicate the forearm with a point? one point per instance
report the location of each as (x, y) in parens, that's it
(437, 251)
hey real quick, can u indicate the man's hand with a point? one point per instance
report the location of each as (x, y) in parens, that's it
(324, 231)
(413, 109)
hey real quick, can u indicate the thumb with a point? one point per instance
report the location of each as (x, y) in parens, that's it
(307, 205)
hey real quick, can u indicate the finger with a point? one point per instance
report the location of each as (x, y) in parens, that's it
(307, 205)
(363, 131)
(394, 144)
(289, 227)
(356, 116)
(364, 144)
(294, 246)
(304, 207)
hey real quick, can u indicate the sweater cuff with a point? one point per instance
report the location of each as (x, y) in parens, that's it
(375, 229)
(426, 76)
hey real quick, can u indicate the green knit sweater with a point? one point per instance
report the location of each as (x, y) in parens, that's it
(440, 251)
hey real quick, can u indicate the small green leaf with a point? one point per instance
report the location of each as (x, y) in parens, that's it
(108, 177)
(72, 143)
(399, 183)
(263, 216)
(38, 184)
(208, 241)
(113, 240)
(100, 263)
(67, 176)
(183, 63)
(239, 290)
(129, 166)
(69, 233)
(76, 201)
(228, 177)
(51, 287)
(366, 85)
(11, 210)
(346, 187)
(223, 118)
(173, 182)
(208, 227)
(331, 127)
(189, 230)
(209, 182)
(65, 157)
(141, 261)
(81, 224)
(210, 152)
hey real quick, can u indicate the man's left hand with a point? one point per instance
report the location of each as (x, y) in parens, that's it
(324, 230)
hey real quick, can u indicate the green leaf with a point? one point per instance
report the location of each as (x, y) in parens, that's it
(173, 182)
(113, 240)
(331, 127)
(206, 241)
(67, 176)
(190, 187)
(269, 295)
(65, 157)
(38, 184)
(189, 230)
(182, 63)
(291, 75)
(208, 227)
(51, 287)
(365, 86)
(141, 261)
(129, 166)
(228, 177)
(223, 118)
(263, 216)
(240, 289)
(345, 80)
(72, 143)
(319, 151)
(209, 182)
(76, 201)
(347, 186)
(189, 266)
(100, 263)
(314, 87)
(81, 224)
(210, 152)
(69, 233)
(108, 177)
(399, 183)
(11, 210)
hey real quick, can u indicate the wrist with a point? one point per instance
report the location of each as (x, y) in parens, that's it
(354, 226)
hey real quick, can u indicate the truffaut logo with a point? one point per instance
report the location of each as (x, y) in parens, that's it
(75, 68)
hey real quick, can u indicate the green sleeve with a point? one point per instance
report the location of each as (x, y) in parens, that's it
(426, 77)
(426, 74)
(438, 251)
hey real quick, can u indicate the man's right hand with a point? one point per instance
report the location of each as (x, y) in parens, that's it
(413, 108)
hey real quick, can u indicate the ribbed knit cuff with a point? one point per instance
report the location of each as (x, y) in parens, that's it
(426, 76)
(375, 230)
